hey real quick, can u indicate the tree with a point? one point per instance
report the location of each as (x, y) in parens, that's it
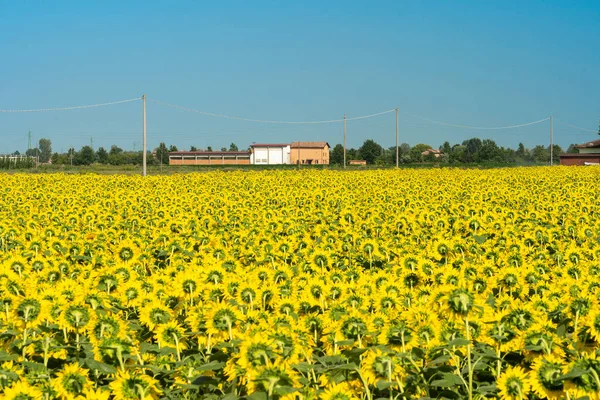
(85, 156)
(223, 148)
(337, 155)
(162, 154)
(369, 151)
(102, 155)
(114, 149)
(540, 154)
(415, 152)
(556, 151)
(193, 148)
(172, 148)
(472, 146)
(209, 148)
(404, 153)
(521, 151)
(45, 150)
(488, 152)
(446, 148)
(572, 149)
(233, 147)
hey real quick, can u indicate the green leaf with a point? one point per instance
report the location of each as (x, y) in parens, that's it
(98, 366)
(480, 239)
(439, 360)
(283, 390)
(33, 366)
(448, 380)
(303, 367)
(204, 380)
(574, 373)
(211, 366)
(258, 396)
(458, 342)
(382, 385)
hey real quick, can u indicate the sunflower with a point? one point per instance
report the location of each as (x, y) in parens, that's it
(126, 386)
(587, 382)
(339, 391)
(377, 366)
(71, 382)
(513, 384)
(222, 320)
(22, 390)
(155, 313)
(544, 375)
(170, 334)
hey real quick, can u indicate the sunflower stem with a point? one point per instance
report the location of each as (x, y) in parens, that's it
(177, 346)
(469, 366)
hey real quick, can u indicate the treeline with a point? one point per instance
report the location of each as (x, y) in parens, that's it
(473, 150)
(117, 156)
(16, 163)
(469, 151)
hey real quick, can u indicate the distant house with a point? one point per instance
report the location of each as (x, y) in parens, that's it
(270, 153)
(358, 162)
(209, 157)
(589, 153)
(436, 153)
(309, 153)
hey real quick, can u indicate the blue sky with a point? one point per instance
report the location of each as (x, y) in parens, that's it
(480, 63)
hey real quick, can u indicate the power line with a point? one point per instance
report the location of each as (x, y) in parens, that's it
(476, 127)
(266, 121)
(70, 108)
(577, 127)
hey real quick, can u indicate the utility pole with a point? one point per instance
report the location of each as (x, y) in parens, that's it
(29, 140)
(92, 143)
(396, 137)
(344, 140)
(144, 139)
(551, 144)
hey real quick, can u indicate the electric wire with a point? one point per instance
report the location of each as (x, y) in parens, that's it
(266, 121)
(475, 127)
(70, 108)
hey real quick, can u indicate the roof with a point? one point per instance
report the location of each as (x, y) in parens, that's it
(588, 145)
(269, 144)
(309, 145)
(429, 151)
(212, 153)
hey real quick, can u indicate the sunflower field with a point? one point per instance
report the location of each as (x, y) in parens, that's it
(397, 284)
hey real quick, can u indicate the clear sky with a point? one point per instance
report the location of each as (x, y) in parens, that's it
(482, 63)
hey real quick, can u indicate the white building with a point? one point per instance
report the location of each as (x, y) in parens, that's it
(270, 153)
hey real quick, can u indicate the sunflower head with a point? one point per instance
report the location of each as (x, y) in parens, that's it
(513, 384)
(460, 301)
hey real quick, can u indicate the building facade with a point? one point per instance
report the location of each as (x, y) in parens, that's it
(589, 154)
(309, 153)
(209, 158)
(270, 153)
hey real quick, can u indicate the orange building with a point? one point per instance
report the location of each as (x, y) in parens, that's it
(209, 158)
(309, 152)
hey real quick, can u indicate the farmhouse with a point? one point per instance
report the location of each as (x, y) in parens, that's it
(309, 153)
(209, 157)
(589, 153)
(436, 153)
(270, 153)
